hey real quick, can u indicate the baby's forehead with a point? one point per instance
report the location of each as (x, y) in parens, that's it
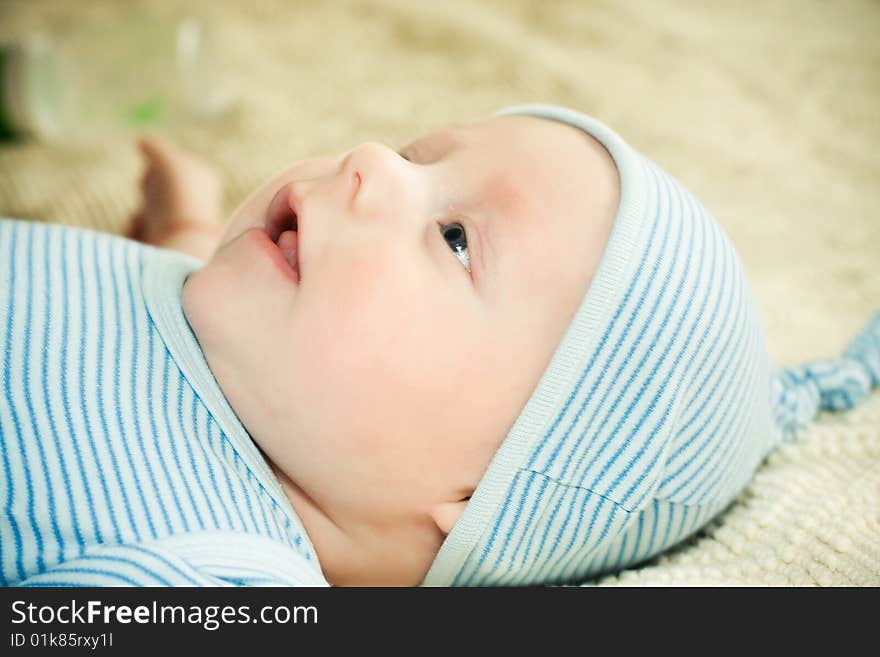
(472, 132)
(523, 164)
(525, 136)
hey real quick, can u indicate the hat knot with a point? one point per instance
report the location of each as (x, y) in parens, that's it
(800, 393)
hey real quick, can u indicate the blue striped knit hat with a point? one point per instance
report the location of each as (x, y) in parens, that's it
(657, 406)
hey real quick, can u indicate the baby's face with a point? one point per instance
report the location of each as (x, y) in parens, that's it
(384, 379)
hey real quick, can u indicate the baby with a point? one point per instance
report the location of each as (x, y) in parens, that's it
(514, 352)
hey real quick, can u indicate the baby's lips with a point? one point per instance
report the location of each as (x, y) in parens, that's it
(287, 244)
(281, 214)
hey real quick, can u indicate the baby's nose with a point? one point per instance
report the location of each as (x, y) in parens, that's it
(376, 175)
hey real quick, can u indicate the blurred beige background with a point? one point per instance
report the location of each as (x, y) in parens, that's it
(768, 111)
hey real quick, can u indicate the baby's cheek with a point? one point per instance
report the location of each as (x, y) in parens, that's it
(202, 303)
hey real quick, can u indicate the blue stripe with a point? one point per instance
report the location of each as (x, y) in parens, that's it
(514, 522)
(65, 397)
(191, 438)
(105, 431)
(60, 570)
(137, 419)
(651, 406)
(602, 540)
(128, 562)
(551, 566)
(117, 404)
(7, 376)
(59, 453)
(666, 527)
(638, 540)
(560, 495)
(485, 553)
(282, 523)
(713, 324)
(721, 368)
(702, 387)
(522, 535)
(710, 482)
(733, 401)
(219, 499)
(652, 545)
(697, 520)
(232, 573)
(49, 583)
(726, 437)
(618, 563)
(694, 461)
(229, 499)
(270, 526)
(637, 369)
(26, 380)
(684, 514)
(603, 565)
(167, 562)
(277, 524)
(253, 581)
(91, 433)
(574, 561)
(241, 485)
(193, 505)
(253, 481)
(683, 349)
(192, 466)
(154, 431)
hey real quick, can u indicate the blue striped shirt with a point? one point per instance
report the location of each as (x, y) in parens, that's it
(122, 462)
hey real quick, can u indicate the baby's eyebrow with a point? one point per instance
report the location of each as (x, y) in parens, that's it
(450, 137)
(446, 139)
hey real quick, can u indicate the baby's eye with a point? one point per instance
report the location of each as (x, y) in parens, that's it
(456, 237)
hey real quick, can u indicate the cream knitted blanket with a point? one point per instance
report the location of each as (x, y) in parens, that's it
(768, 114)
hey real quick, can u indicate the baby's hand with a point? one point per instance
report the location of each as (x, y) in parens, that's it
(181, 194)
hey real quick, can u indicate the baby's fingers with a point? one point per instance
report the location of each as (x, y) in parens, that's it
(156, 148)
(134, 230)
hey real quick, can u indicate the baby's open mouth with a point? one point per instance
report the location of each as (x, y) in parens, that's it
(282, 225)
